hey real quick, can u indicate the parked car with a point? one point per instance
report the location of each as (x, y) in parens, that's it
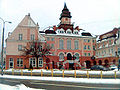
(113, 67)
(99, 67)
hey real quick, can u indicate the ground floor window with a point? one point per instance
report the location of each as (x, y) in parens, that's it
(11, 63)
(19, 62)
(40, 62)
(32, 62)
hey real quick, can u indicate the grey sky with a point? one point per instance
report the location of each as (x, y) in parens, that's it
(95, 16)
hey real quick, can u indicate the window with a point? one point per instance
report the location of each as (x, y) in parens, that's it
(85, 47)
(93, 41)
(76, 44)
(48, 39)
(19, 47)
(32, 62)
(110, 42)
(88, 47)
(19, 62)
(88, 54)
(61, 31)
(20, 36)
(112, 50)
(85, 40)
(52, 39)
(76, 32)
(88, 40)
(119, 51)
(61, 44)
(52, 45)
(85, 54)
(93, 47)
(61, 56)
(11, 63)
(40, 62)
(103, 45)
(77, 56)
(68, 44)
(69, 32)
(32, 37)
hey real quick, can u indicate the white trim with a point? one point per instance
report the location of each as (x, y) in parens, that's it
(11, 62)
(40, 60)
(32, 61)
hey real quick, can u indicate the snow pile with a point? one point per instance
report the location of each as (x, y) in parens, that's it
(56, 71)
(65, 79)
(17, 87)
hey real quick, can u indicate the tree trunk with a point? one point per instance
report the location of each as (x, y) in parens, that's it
(37, 62)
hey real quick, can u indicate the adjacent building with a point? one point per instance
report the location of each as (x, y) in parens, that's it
(108, 48)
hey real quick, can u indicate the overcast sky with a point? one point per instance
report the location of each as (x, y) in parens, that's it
(95, 16)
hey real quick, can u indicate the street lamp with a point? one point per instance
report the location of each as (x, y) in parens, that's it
(3, 42)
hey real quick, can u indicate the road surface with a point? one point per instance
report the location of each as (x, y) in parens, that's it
(55, 85)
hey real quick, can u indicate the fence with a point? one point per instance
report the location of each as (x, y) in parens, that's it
(64, 73)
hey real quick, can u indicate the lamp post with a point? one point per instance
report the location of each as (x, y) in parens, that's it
(3, 42)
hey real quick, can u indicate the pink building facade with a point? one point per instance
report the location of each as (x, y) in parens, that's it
(72, 47)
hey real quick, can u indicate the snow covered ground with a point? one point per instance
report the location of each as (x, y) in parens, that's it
(17, 87)
(66, 79)
(55, 71)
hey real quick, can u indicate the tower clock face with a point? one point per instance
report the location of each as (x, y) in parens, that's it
(66, 19)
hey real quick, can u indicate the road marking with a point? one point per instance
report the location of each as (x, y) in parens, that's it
(11, 81)
(74, 86)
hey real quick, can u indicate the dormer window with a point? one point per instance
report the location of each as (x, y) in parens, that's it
(61, 31)
(69, 31)
(75, 32)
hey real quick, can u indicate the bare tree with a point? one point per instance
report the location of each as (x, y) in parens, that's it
(36, 49)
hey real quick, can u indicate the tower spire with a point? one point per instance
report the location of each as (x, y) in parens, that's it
(65, 12)
(65, 6)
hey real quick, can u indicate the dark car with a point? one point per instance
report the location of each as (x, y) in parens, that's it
(99, 67)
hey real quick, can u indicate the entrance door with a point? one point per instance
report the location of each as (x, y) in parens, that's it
(69, 57)
(71, 66)
(88, 64)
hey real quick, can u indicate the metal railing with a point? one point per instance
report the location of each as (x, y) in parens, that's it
(62, 73)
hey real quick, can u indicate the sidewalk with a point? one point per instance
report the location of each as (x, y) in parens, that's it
(65, 79)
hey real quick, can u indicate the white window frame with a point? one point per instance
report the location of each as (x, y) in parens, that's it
(69, 44)
(77, 58)
(69, 31)
(40, 62)
(61, 44)
(19, 60)
(61, 57)
(20, 37)
(75, 31)
(32, 60)
(52, 45)
(76, 44)
(19, 47)
(32, 37)
(11, 62)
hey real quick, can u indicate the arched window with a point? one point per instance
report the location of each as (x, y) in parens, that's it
(75, 31)
(100, 62)
(69, 31)
(61, 57)
(77, 56)
(69, 56)
(61, 45)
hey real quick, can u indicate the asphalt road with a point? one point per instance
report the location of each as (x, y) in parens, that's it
(54, 85)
